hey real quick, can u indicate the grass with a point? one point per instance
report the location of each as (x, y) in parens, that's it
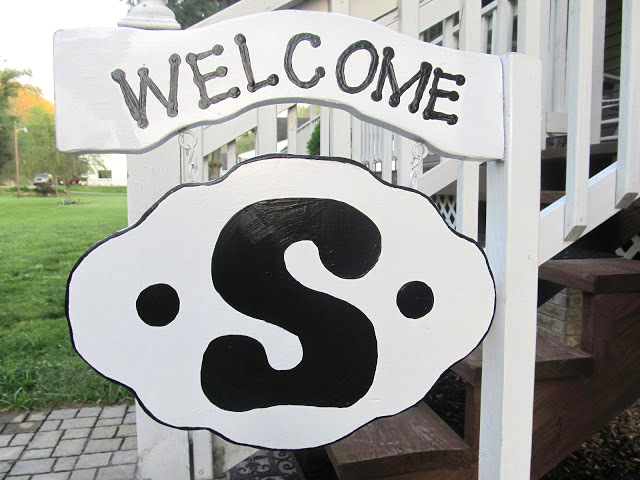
(97, 189)
(40, 241)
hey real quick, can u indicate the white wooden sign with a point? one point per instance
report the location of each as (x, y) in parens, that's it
(126, 90)
(283, 306)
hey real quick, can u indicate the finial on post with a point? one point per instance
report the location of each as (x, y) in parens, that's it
(151, 15)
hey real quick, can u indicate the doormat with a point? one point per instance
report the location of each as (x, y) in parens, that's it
(266, 465)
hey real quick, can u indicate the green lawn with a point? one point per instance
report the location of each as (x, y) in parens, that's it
(40, 241)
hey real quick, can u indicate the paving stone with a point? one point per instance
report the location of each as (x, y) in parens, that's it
(50, 425)
(5, 439)
(114, 411)
(120, 472)
(64, 464)
(131, 408)
(93, 460)
(129, 418)
(76, 433)
(103, 432)
(21, 439)
(89, 412)
(5, 467)
(12, 417)
(109, 422)
(10, 453)
(78, 423)
(29, 467)
(63, 414)
(52, 476)
(125, 457)
(127, 431)
(22, 427)
(45, 439)
(37, 416)
(20, 477)
(97, 446)
(36, 453)
(89, 474)
(67, 448)
(130, 443)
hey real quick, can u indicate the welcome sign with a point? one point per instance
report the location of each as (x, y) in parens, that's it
(127, 90)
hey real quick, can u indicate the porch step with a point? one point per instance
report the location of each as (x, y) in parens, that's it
(412, 441)
(553, 360)
(593, 275)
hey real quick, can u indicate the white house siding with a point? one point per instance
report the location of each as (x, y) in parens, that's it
(118, 166)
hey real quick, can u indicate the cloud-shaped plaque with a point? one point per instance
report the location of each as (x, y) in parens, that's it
(283, 306)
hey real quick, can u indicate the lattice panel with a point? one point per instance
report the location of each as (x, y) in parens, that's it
(447, 207)
(631, 249)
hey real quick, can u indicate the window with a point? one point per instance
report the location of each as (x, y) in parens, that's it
(104, 173)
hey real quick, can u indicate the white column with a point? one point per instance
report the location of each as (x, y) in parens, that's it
(578, 95)
(232, 154)
(292, 130)
(325, 128)
(267, 132)
(628, 175)
(513, 210)
(468, 185)
(340, 121)
(408, 24)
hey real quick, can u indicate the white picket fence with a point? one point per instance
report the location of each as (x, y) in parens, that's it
(568, 37)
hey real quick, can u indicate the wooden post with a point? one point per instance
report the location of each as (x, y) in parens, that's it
(513, 209)
(292, 130)
(232, 154)
(579, 86)
(267, 134)
(340, 123)
(628, 175)
(468, 185)
(15, 145)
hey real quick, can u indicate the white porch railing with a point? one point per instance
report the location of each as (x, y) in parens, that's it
(568, 36)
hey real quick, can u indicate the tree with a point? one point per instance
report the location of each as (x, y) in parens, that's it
(190, 12)
(9, 87)
(313, 145)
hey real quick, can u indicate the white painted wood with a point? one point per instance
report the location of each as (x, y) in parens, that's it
(387, 155)
(628, 180)
(356, 139)
(163, 452)
(530, 27)
(411, 352)
(267, 133)
(557, 122)
(202, 445)
(439, 177)
(150, 15)
(232, 154)
(408, 24)
(448, 37)
(504, 27)
(340, 132)
(292, 130)
(114, 129)
(227, 455)
(601, 206)
(468, 185)
(579, 86)
(513, 195)
(244, 8)
(545, 21)
(559, 48)
(597, 68)
(325, 129)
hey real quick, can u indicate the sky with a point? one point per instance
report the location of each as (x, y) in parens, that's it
(26, 35)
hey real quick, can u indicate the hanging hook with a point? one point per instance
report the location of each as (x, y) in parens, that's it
(189, 148)
(418, 151)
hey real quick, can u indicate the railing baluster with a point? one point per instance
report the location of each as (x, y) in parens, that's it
(340, 123)
(267, 134)
(579, 85)
(292, 130)
(597, 68)
(504, 27)
(387, 154)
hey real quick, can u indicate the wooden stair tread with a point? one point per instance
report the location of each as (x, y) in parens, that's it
(553, 360)
(414, 440)
(594, 275)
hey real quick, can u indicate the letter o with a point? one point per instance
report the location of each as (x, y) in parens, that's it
(342, 60)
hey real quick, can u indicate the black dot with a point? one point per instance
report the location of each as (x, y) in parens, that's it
(415, 299)
(158, 305)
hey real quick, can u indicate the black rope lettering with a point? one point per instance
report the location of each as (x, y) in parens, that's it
(138, 106)
(387, 71)
(252, 86)
(435, 93)
(200, 80)
(315, 42)
(342, 60)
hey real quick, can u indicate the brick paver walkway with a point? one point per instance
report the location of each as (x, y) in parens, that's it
(71, 444)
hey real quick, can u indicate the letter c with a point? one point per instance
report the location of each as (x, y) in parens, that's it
(314, 40)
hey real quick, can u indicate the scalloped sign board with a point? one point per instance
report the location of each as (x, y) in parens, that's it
(127, 90)
(290, 314)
